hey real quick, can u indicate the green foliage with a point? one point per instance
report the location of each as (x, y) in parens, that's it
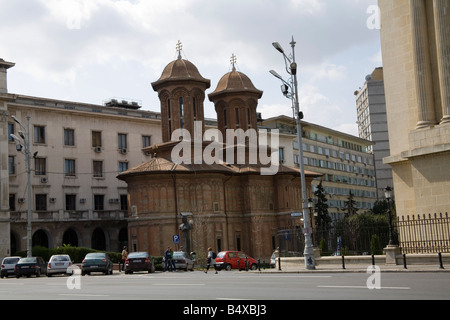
(375, 245)
(323, 245)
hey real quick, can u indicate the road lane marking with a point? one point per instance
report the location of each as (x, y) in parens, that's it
(83, 295)
(363, 287)
(177, 284)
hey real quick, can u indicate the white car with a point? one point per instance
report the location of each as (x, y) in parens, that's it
(8, 265)
(59, 264)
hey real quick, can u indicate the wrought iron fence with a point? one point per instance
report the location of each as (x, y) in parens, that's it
(424, 234)
(419, 234)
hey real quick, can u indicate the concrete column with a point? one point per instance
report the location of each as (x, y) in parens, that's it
(442, 27)
(422, 64)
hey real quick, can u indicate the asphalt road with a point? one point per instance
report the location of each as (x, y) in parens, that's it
(192, 286)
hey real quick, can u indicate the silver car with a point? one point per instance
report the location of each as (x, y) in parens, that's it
(59, 264)
(8, 265)
(182, 261)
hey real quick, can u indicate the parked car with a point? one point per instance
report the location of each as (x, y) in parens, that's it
(234, 260)
(8, 265)
(30, 266)
(182, 261)
(139, 261)
(59, 264)
(96, 262)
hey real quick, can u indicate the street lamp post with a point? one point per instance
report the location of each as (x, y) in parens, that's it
(290, 90)
(388, 195)
(26, 140)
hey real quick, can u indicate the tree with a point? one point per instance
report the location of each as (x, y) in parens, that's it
(323, 218)
(350, 206)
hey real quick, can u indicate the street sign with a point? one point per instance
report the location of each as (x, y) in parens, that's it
(176, 239)
(296, 214)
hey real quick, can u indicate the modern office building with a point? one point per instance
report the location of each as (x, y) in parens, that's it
(372, 125)
(345, 162)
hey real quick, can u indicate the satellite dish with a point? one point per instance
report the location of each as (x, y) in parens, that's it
(369, 77)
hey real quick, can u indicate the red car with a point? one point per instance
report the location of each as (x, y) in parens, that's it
(234, 260)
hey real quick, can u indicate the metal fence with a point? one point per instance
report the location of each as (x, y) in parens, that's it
(418, 234)
(424, 234)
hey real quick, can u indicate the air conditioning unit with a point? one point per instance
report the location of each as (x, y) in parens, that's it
(21, 200)
(123, 151)
(98, 149)
(82, 200)
(44, 180)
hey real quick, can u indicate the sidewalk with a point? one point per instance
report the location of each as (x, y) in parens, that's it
(355, 268)
(414, 263)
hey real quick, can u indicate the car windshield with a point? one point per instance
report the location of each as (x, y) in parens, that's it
(221, 255)
(59, 258)
(138, 255)
(10, 260)
(179, 254)
(95, 255)
(27, 260)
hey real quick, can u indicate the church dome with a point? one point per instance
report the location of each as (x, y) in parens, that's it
(180, 70)
(235, 82)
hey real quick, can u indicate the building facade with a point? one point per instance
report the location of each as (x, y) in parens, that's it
(372, 125)
(78, 150)
(225, 205)
(4, 176)
(415, 37)
(344, 161)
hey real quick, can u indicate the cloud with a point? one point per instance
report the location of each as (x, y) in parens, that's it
(90, 50)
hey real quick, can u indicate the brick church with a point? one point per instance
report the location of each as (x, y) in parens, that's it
(226, 205)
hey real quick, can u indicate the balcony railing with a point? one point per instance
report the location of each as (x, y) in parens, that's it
(85, 215)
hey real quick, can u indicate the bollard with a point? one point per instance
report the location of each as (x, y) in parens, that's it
(246, 264)
(373, 260)
(279, 263)
(343, 262)
(264, 264)
(239, 265)
(441, 266)
(259, 264)
(404, 261)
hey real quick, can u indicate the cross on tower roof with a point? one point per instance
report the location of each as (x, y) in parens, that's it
(179, 48)
(233, 61)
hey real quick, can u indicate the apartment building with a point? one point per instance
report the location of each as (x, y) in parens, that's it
(77, 150)
(372, 125)
(344, 161)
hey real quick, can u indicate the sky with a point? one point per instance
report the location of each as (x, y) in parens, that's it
(91, 51)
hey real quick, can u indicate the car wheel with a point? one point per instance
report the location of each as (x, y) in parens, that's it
(253, 267)
(38, 273)
(228, 267)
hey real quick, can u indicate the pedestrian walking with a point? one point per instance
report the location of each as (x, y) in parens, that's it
(211, 260)
(124, 258)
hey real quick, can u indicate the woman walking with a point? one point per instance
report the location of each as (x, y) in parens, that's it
(211, 260)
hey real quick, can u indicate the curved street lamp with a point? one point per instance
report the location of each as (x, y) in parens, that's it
(290, 91)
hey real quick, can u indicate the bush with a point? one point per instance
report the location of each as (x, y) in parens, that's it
(375, 246)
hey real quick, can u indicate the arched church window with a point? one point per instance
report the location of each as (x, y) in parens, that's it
(181, 113)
